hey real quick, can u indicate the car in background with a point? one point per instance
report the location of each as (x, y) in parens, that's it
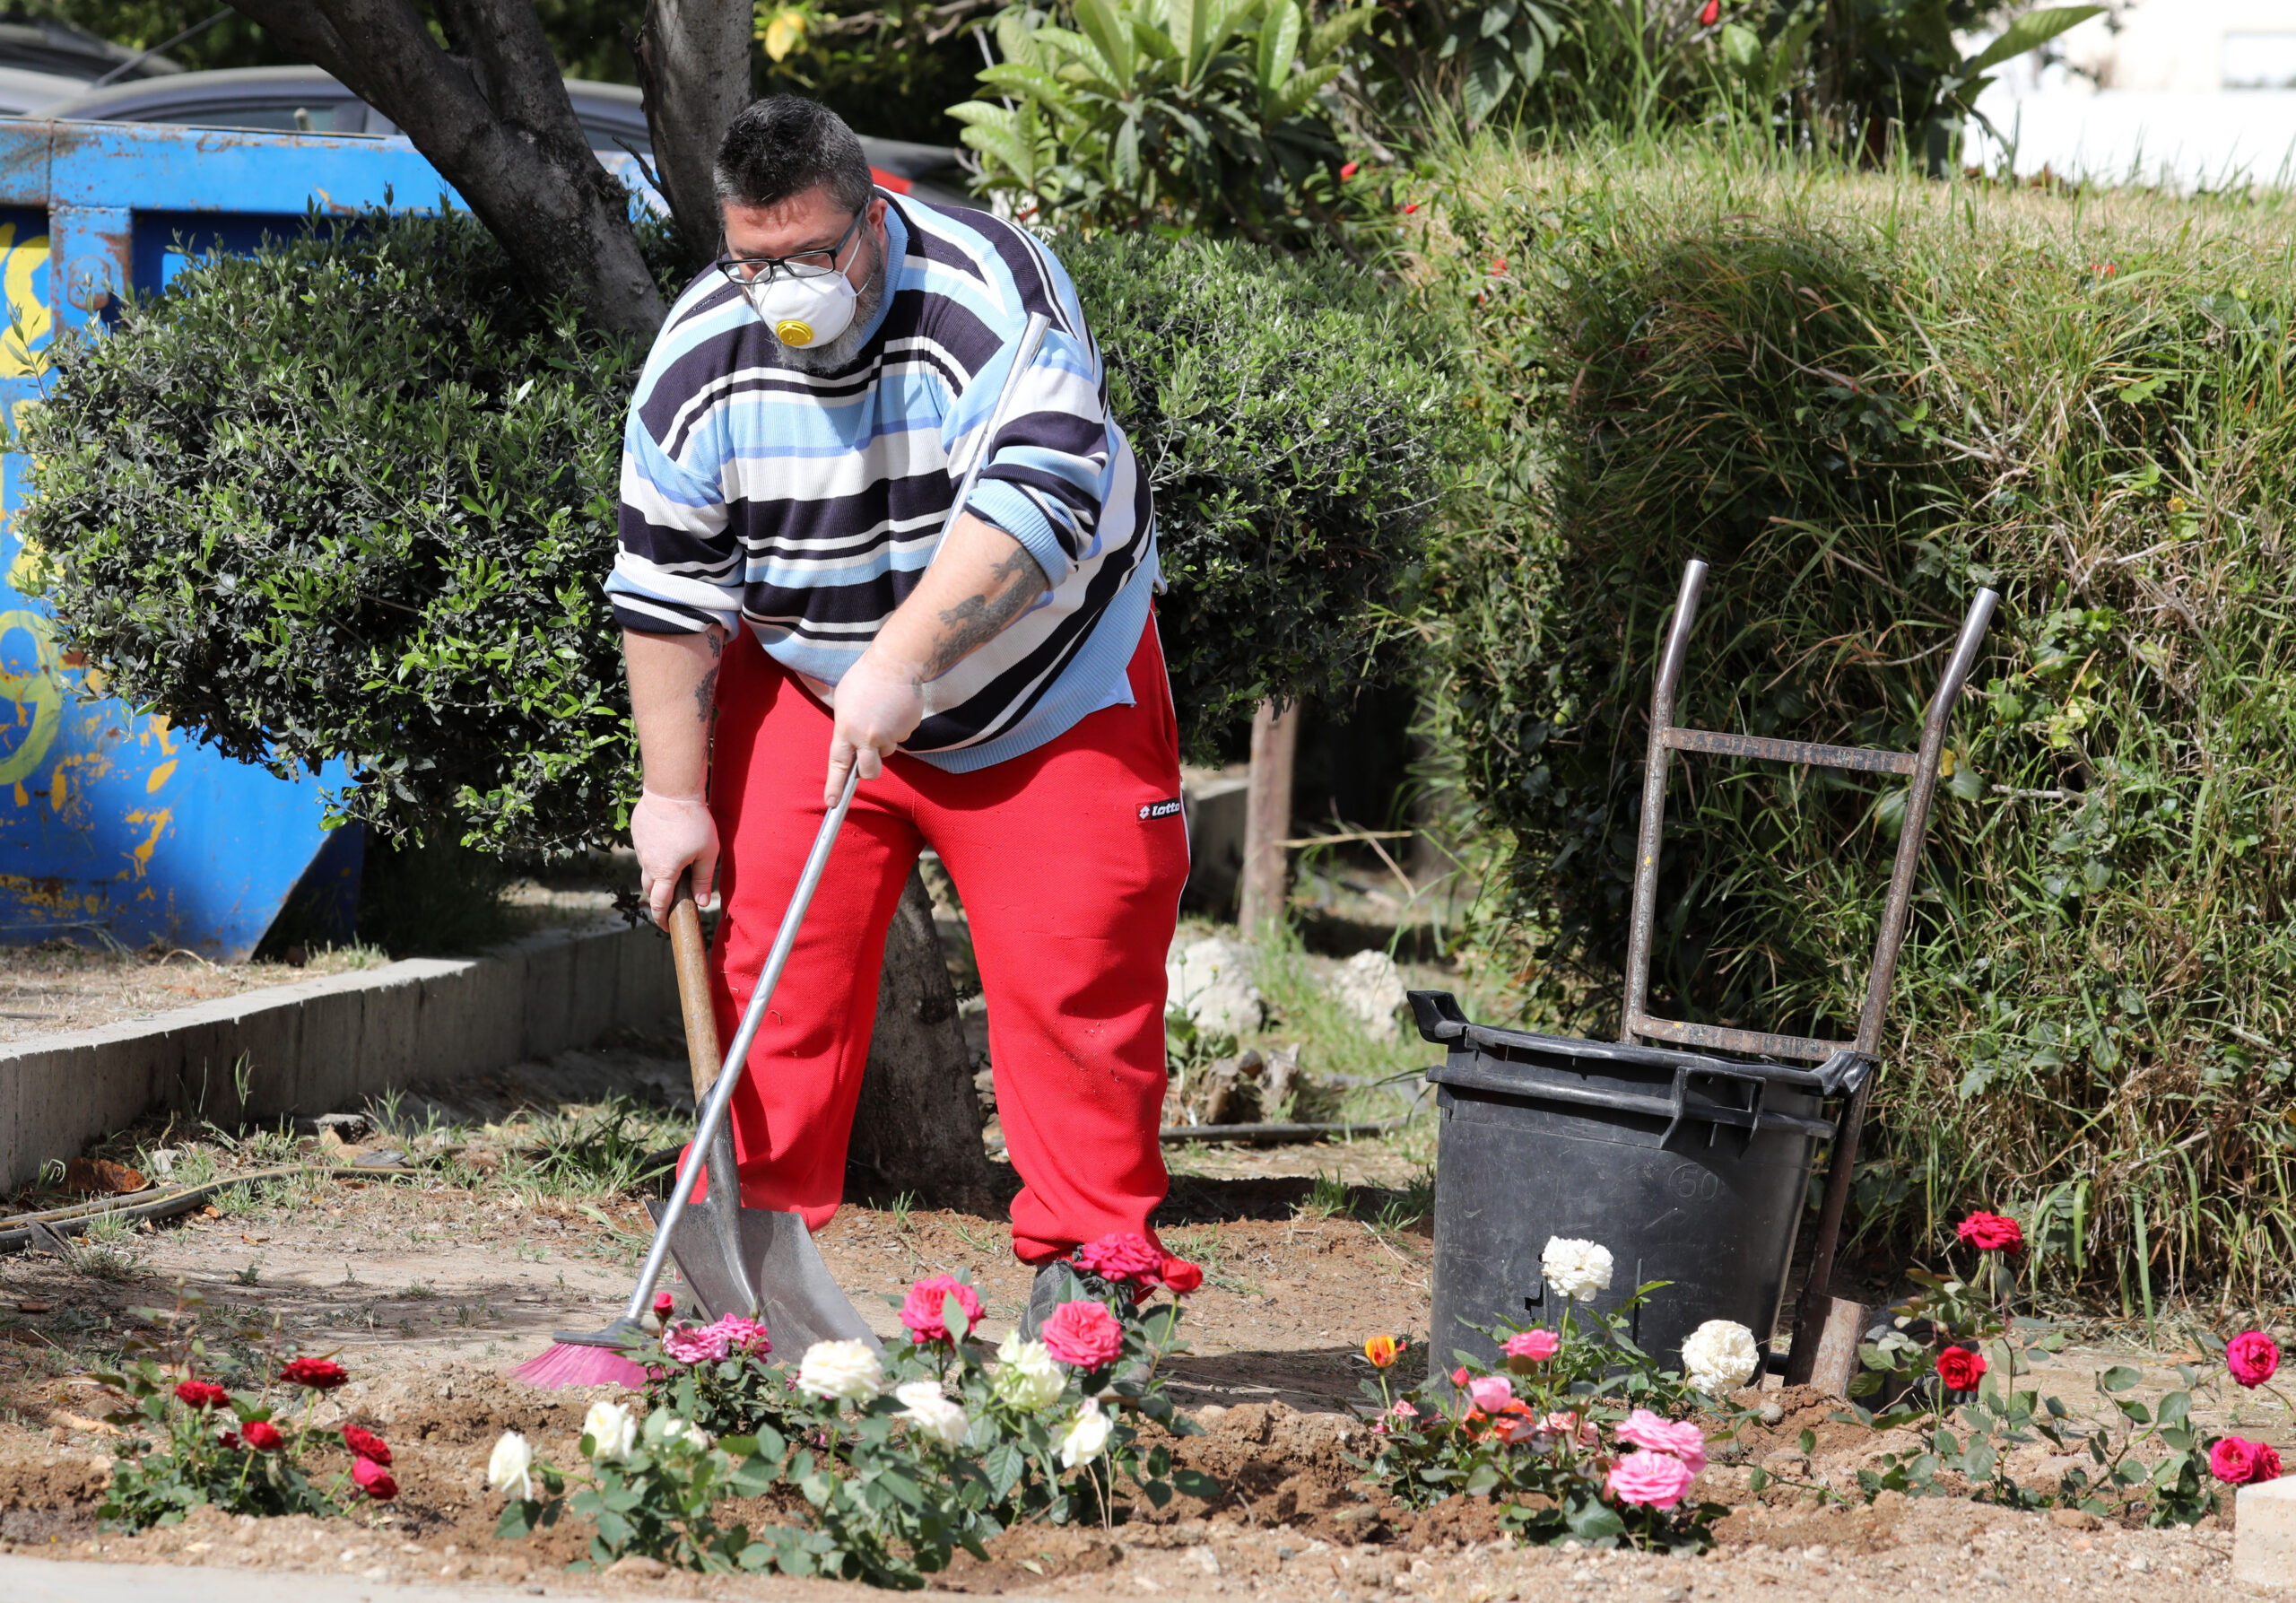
(304, 99)
(43, 59)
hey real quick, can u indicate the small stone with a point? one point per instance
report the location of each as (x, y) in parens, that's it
(1210, 981)
(1993, 1578)
(1772, 1414)
(2074, 1519)
(637, 1566)
(1370, 988)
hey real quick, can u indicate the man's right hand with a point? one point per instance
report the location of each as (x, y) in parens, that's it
(672, 833)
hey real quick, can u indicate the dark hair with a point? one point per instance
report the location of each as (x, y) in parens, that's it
(783, 145)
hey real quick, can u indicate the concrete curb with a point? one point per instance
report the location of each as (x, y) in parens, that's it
(314, 1046)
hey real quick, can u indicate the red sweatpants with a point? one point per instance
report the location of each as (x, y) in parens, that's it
(1071, 877)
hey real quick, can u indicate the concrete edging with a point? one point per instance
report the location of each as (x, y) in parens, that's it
(313, 1046)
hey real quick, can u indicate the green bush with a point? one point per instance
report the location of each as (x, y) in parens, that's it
(1860, 399)
(353, 497)
(1216, 117)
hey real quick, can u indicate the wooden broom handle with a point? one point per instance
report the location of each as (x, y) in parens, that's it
(690, 955)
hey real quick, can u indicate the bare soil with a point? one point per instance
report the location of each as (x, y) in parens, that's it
(429, 1286)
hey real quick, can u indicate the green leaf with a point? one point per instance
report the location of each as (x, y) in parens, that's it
(1195, 1482)
(1279, 44)
(2120, 1377)
(2029, 31)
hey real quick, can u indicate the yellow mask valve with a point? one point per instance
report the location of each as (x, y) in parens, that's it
(791, 331)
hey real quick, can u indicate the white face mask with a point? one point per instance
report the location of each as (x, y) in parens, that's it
(803, 312)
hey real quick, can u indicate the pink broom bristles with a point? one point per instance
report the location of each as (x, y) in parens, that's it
(565, 1365)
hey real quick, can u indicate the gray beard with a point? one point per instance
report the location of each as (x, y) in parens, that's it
(842, 350)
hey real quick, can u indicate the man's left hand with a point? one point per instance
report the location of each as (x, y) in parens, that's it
(879, 703)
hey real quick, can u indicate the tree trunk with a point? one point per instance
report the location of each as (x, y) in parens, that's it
(918, 1126)
(497, 123)
(693, 61)
(1267, 817)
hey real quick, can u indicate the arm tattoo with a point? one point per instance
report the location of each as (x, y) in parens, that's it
(979, 619)
(705, 696)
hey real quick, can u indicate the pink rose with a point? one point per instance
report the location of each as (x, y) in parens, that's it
(1491, 1392)
(1648, 1480)
(1124, 1257)
(742, 1334)
(921, 1310)
(1567, 1425)
(1537, 1346)
(1403, 1414)
(1083, 1333)
(694, 1344)
(1684, 1440)
(2252, 1356)
(373, 1479)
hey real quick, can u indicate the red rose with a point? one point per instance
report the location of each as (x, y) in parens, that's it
(1711, 14)
(2252, 1356)
(202, 1394)
(366, 1444)
(320, 1374)
(1960, 1369)
(921, 1310)
(260, 1435)
(664, 1305)
(1180, 1276)
(374, 1480)
(2237, 1462)
(1348, 169)
(1991, 1232)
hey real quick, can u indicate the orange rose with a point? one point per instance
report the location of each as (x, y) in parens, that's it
(1381, 1350)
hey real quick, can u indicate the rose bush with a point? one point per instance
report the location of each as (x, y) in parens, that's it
(239, 1441)
(1534, 1438)
(898, 1459)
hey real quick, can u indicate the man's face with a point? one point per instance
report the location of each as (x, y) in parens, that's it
(809, 220)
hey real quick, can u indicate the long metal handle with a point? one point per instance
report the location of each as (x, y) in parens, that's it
(737, 1057)
(1841, 1166)
(1024, 353)
(1654, 800)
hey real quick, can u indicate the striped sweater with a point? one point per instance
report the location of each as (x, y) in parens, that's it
(809, 504)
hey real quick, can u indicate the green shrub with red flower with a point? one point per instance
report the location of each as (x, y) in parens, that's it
(940, 1444)
(1580, 1436)
(202, 1428)
(1951, 1361)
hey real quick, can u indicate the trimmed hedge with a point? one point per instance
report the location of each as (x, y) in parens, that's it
(353, 496)
(1860, 398)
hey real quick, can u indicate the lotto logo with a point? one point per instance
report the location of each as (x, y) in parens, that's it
(1162, 809)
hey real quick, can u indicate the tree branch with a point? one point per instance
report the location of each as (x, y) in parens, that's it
(516, 153)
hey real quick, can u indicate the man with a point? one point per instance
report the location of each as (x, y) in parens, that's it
(793, 450)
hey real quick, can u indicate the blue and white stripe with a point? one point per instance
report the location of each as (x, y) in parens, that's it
(807, 504)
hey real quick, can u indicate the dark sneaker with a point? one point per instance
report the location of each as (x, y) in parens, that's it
(1061, 1281)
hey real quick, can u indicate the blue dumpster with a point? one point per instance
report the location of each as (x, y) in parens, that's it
(114, 827)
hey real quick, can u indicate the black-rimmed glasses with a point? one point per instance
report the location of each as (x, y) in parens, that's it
(748, 271)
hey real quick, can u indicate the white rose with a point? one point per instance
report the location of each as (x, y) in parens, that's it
(1026, 1376)
(1578, 1270)
(841, 1369)
(923, 1403)
(510, 1470)
(612, 1430)
(1720, 1356)
(666, 1429)
(1085, 1436)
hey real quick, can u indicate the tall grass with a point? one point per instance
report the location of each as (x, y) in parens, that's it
(1860, 397)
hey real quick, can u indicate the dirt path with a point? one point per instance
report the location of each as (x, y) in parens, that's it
(432, 1285)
